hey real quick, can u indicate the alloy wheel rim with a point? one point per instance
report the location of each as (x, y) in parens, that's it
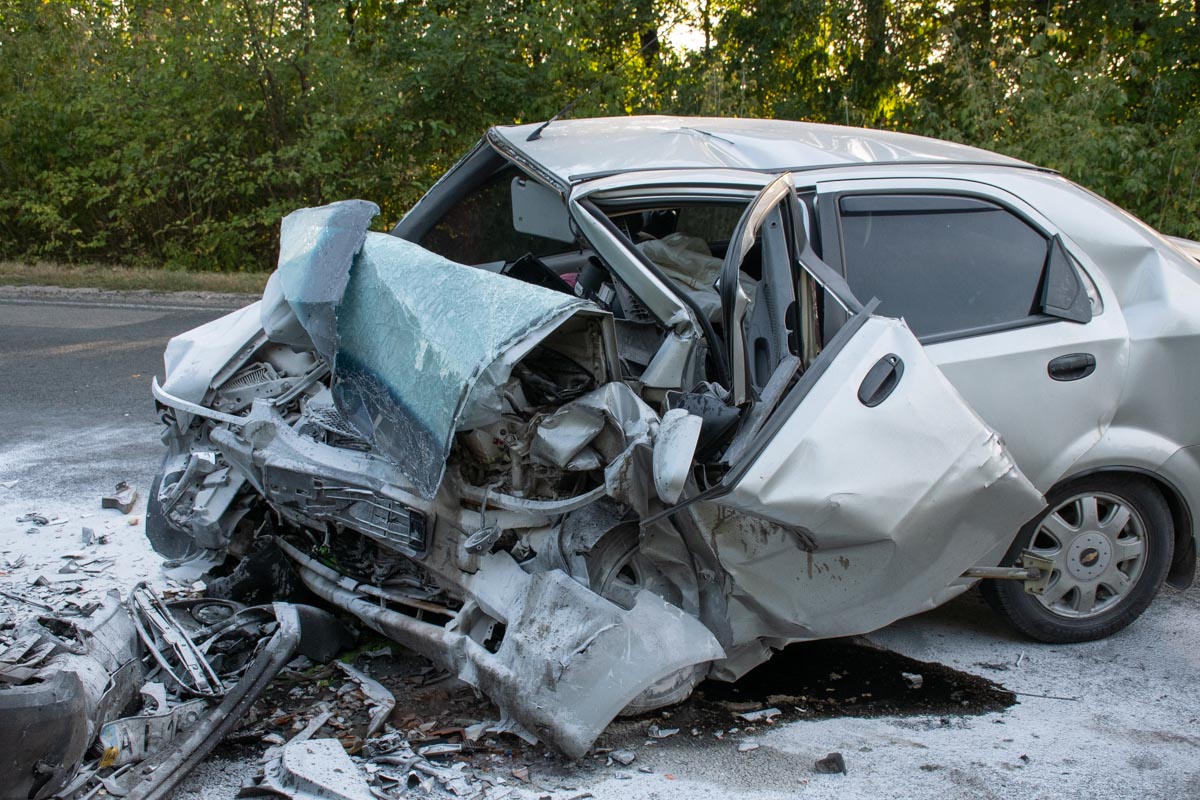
(1098, 545)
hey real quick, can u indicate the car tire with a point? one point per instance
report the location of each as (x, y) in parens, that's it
(1111, 540)
(167, 541)
(617, 570)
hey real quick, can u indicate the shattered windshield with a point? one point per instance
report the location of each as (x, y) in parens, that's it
(415, 333)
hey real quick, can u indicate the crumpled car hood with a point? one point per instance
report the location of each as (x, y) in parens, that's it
(407, 332)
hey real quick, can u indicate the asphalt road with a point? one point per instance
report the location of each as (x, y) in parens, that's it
(75, 406)
(1116, 718)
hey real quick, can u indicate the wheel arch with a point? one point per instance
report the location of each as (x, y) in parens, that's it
(1183, 562)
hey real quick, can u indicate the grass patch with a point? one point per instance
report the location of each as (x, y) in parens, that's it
(97, 276)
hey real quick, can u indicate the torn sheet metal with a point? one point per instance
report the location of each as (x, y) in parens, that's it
(407, 331)
(592, 431)
(571, 660)
(375, 693)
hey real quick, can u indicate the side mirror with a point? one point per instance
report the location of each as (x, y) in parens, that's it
(678, 434)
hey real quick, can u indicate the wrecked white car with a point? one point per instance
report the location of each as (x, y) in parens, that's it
(623, 404)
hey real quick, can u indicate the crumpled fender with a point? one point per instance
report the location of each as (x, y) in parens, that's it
(571, 660)
(194, 358)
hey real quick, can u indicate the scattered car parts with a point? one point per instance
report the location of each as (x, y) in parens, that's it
(122, 498)
(68, 680)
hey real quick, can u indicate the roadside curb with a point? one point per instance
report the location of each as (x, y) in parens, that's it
(121, 298)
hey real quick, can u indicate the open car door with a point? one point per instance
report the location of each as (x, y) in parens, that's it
(872, 484)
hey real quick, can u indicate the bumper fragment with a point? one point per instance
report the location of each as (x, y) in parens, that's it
(569, 660)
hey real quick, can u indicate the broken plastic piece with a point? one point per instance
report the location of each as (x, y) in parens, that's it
(623, 757)
(437, 749)
(761, 715)
(318, 769)
(133, 738)
(122, 498)
(381, 700)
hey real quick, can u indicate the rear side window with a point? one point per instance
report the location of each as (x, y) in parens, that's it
(945, 264)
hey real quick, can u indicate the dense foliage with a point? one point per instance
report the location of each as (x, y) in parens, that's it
(178, 133)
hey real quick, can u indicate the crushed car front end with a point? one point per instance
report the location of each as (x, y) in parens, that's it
(424, 490)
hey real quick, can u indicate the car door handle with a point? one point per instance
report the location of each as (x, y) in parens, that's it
(1071, 367)
(881, 380)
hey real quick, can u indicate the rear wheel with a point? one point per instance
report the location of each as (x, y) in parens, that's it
(617, 571)
(1110, 540)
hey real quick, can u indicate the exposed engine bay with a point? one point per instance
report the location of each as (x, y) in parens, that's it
(534, 483)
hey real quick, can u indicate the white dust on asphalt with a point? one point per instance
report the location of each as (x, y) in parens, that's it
(1132, 728)
(62, 478)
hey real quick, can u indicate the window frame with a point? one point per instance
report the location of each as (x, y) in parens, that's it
(830, 218)
(499, 181)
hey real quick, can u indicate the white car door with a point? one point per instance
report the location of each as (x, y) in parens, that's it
(969, 267)
(878, 485)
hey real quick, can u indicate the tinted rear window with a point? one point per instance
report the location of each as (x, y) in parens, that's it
(944, 264)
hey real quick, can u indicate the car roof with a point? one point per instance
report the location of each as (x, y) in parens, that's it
(578, 149)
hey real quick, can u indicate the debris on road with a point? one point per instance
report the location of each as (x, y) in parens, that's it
(623, 757)
(832, 764)
(381, 700)
(37, 519)
(68, 677)
(20, 598)
(122, 498)
(762, 715)
(655, 732)
(317, 769)
(746, 747)
(913, 679)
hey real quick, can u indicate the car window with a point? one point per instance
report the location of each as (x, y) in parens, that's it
(713, 223)
(478, 229)
(945, 264)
